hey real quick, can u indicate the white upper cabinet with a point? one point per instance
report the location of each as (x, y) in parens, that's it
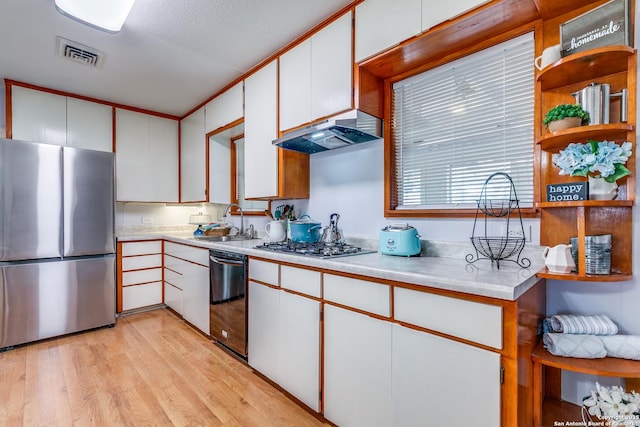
(260, 129)
(437, 11)
(381, 24)
(193, 160)
(316, 77)
(56, 119)
(146, 157)
(224, 109)
(295, 86)
(332, 68)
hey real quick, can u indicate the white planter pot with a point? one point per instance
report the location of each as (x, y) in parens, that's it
(599, 189)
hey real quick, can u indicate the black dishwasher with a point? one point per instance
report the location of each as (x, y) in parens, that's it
(228, 310)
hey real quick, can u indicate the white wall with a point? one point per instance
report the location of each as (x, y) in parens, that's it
(154, 215)
(350, 181)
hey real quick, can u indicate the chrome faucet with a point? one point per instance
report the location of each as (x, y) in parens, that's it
(241, 216)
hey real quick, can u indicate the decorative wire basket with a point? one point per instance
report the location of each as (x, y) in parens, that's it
(502, 247)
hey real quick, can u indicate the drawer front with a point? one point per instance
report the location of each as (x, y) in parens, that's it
(173, 277)
(142, 248)
(188, 253)
(176, 264)
(263, 271)
(141, 261)
(360, 294)
(141, 276)
(300, 280)
(173, 297)
(141, 295)
(473, 321)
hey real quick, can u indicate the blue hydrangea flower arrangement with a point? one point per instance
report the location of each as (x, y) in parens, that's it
(605, 159)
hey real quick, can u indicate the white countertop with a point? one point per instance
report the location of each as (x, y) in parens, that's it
(447, 271)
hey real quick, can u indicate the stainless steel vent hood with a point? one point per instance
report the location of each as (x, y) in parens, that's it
(343, 130)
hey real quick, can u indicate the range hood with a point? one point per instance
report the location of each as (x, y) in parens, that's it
(344, 130)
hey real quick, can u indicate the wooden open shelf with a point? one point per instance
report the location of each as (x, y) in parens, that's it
(586, 204)
(607, 367)
(588, 65)
(612, 277)
(548, 409)
(557, 141)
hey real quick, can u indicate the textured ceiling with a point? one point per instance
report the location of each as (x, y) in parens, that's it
(170, 56)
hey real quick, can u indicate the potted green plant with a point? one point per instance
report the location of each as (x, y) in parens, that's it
(565, 116)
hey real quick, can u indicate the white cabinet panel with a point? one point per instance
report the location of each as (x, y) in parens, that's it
(263, 271)
(142, 248)
(56, 119)
(295, 86)
(141, 276)
(434, 11)
(173, 297)
(381, 24)
(301, 280)
(195, 295)
(141, 295)
(299, 348)
(332, 68)
(188, 253)
(361, 294)
(357, 369)
(433, 375)
(219, 169)
(141, 261)
(146, 157)
(316, 77)
(193, 161)
(224, 109)
(89, 125)
(263, 323)
(469, 320)
(38, 116)
(260, 129)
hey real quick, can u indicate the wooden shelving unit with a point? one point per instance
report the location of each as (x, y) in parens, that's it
(560, 221)
(553, 406)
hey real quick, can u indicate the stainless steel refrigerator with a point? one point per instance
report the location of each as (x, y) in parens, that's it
(57, 243)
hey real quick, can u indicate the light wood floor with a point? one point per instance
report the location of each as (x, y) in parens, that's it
(150, 370)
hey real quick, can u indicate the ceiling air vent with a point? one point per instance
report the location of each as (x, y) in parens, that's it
(79, 53)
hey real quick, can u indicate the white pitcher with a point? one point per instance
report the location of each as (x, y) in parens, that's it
(558, 259)
(276, 231)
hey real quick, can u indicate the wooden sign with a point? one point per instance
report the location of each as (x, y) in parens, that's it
(569, 192)
(606, 25)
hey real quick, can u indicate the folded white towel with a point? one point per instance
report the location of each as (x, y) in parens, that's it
(569, 345)
(622, 346)
(598, 324)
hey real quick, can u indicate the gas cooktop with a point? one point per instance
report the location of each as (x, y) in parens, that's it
(318, 249)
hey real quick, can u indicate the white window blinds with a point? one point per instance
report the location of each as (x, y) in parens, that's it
(247, 205)
(455, 125)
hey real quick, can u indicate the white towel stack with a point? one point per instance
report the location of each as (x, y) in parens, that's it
(588, 337)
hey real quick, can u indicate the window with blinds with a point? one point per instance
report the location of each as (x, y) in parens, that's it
(247, 205)
(455, 125)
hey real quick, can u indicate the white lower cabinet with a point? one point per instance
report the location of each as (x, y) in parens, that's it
(186, 287)
(357, 369)
(284, 340)
(264, 306)
(140, 274)
(195, 296)
(437, 381)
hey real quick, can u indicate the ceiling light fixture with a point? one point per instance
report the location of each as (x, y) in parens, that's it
(104, 15)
